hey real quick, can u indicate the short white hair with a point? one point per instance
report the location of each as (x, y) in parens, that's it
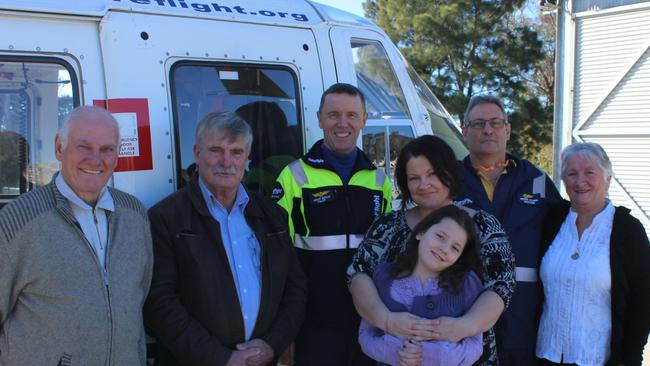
(79, 113)
(589, 150)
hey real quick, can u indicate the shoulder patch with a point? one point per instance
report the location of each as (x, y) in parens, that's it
(277, 192)
(464, 202)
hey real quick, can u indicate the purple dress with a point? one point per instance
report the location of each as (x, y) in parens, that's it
(429, 301)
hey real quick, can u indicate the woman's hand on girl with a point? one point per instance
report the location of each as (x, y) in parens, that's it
(407, 325)
(451, 329)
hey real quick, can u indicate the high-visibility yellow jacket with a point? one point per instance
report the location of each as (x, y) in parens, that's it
(324, 213)
(328, 219)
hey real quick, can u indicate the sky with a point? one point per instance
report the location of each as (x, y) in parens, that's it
(352, 6)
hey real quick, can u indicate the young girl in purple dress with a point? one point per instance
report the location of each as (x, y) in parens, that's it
(435, 276)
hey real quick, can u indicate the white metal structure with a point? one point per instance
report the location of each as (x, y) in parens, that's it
(603, 91)
(160, 65)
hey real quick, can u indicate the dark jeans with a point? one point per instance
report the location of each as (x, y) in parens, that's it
(517, 357)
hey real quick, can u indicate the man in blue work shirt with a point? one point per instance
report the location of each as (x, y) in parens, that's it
(227, 287)
(517, 193)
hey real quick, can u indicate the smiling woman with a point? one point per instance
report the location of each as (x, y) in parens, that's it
(428, 178)
(595, 270)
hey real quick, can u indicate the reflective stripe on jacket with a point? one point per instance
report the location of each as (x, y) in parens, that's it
(520, 201)
(327, 219)
(319, 204)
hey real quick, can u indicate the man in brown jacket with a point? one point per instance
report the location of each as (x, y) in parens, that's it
(227, 288)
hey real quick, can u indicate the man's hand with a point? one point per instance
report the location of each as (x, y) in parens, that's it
(452, 329)
(408, 325)
(238, 358)
(263, 353)
(410, 354)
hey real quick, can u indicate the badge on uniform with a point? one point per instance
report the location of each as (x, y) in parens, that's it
(322, 196)
(277, 193)
(530, 199)
(464, 202)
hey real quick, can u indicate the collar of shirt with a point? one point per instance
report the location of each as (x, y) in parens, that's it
(241, 200)
(485, 181)
(93, 221)
(243, 252)
(602, 217)
(104, 201)
(342, 163)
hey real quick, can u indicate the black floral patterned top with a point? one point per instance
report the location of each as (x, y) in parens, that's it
(387, 238)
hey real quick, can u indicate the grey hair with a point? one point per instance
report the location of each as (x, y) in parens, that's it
(225, 125)
(590, 150)
(80, 112)
(484, 99)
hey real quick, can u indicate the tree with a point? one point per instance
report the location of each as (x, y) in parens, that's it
(532, 115)
(65, 106)
(532, 131)
(467, 47)
(461, 47)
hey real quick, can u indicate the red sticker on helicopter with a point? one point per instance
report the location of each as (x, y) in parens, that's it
(132, 115)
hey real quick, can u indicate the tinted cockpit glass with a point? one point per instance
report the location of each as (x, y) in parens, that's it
(266, 97)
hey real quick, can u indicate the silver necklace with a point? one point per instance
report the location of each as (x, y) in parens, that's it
(576, 251)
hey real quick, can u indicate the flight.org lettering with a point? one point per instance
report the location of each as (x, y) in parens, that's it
(214, 7)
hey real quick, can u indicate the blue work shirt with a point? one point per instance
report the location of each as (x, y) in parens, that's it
(243, 251)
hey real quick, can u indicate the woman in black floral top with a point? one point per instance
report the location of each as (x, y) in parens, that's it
(428, 178)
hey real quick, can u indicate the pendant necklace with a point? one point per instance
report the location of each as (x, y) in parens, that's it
(576, 252)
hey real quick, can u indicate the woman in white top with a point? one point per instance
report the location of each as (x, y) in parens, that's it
(595, 271)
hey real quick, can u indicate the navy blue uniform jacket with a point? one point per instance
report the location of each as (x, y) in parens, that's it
(521, 199)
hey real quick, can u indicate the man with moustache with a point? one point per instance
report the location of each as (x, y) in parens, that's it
(517, 193)
(227, 287)
(75, 258)
(332, 195)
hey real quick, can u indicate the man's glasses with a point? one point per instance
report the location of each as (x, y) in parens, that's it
(479, 124)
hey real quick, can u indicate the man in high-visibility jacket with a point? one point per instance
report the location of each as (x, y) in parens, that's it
(332, 195)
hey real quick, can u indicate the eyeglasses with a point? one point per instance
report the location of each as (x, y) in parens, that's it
(479, 124)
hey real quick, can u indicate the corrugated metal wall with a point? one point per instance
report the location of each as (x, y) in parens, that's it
(586, 5)
(612, 99)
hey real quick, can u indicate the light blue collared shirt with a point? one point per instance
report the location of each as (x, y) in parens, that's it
(243, 250)
(93, 220)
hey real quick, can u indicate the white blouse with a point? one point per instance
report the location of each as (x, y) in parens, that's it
(576, 324)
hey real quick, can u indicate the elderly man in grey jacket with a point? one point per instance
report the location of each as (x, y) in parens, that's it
(75, 258)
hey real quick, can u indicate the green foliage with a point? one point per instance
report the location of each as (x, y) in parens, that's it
(467, 47)
(532, 132)
(461, 47)
(65, 107)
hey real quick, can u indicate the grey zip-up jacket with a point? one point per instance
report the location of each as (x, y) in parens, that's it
(58, 306)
